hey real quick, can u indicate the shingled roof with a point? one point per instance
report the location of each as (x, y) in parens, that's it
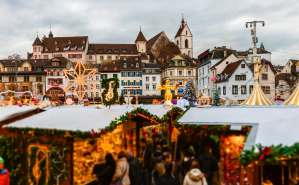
(229, 70)
(151, 42)
(112, 49)
(110, 64)
(37, 42)
(49, 45)
(131, 63)
(140, 37)
(179, 32)
(289, 78)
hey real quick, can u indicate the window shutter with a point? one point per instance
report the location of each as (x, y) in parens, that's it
(134, 73)
(140, 73)
(134, 92)
(122, 74)
(101, 76)
(134, 82)
(69, 56)
(140, 91)
(52, 73)
(129, 74)
(122, 91)
(122, 83)
(46, 73)
(140, 82)
(58, 73)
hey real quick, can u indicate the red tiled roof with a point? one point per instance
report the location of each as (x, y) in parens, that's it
(110, 66)
(131, 63)
(151, 42)
(115, 49)
(62, 42)
(37, 42)
(140, 37)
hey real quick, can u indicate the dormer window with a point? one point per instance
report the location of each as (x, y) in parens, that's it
(125, 65)
(101, 51)
(180, 63)
(109, 50)
(73, 48)
(136, 58)
(116, 51)
(83, 41)
(55, 42)
(66, 48)
(124, 51)
(137, 64)
(115, 68)
(80, 48)
(132, 65)
(125, 58)
(69, 42)
(132, 51)
(105, 68)
(189, 63)
(57, 48)
(46, 49)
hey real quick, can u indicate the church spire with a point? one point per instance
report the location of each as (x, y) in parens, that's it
(50, 34)
(183, 21)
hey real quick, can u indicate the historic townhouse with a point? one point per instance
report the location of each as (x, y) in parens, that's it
(235, 81)
(110, 69)
(151, 77)
(30, 76)
(55, 77)
(179, 70)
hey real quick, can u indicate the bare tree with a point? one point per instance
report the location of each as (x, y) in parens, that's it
(15, 56)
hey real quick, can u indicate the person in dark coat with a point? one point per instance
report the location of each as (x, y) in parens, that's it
(186, 164)
(145, 160)
(208, 164)
(157, 155)
(105, 177)
(135, 173)
(168, 178)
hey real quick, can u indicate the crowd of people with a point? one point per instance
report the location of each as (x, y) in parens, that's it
(194, 164)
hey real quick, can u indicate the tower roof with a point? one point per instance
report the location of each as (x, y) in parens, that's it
(50, 34)
(37, 41)
(262, 46)
(140, 37)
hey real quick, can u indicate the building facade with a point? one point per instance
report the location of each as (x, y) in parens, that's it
(110, 69)
(151, 77)
(235, 81)
(131, 75)
(184, 39)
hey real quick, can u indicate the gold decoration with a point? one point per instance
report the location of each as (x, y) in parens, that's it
(31, 132)
(117, 121)
(79, 79)
(110, 93)
(36, 171)
(134, 107)
(167, 87)
(67, 134)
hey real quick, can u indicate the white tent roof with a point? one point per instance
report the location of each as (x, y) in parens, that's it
(9, 112)
(271, 125)
(81, 118)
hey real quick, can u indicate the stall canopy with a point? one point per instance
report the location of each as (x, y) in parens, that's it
(271, 125)
(9, 112)
(181, 90)
(73, 118)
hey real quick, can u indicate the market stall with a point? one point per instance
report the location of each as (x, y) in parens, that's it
(70, 141)
(241, 128)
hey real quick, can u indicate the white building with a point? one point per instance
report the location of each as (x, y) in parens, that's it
(151, 77)
(204, 78)
(247, 55)
(236, 81)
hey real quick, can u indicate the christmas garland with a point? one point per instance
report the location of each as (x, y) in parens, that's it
(175, 110)
(270, 154)
(105, 84)
(15, 152)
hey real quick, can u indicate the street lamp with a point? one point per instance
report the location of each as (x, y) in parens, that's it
(253, 32)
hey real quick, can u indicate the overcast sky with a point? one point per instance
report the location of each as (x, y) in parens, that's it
(212, 23)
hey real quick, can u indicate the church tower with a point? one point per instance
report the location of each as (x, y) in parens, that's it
(184, 39)
(141, 42)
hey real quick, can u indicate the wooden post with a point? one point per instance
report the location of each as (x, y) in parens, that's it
(262, 174)
(282, 175)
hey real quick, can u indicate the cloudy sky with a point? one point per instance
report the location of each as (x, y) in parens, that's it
(212, 23)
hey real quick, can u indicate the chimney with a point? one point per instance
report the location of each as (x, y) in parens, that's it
(224, 47)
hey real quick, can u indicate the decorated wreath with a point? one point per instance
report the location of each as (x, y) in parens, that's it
(110, 95)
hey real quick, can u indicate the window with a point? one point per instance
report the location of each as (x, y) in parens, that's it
(101, 51)
(60, 73)
(114, 75)
(38, 78)
(116, 57)
(105, 68)
(101, 57)
(91, 94)
(203, 71)
(98, 86)
(73, 48)
(116, 50)
(170, 73)
(235, 89)
(45, 56)
(124, 51)
(154, 78)
(154, 86)
(265, 68)
(11, 79)
(131, 91)
(115, 68)
(25, 68)
(35, 56)
(35, 49)
(180, 73)
(186, 32)
(97, 77)
(224, 90)
(186, 43)
(137, 64)
(125, 65)
(97, 94)
(219, 90)
(238, 77)
(243, 77)
(26, 78)
(189, 64)
(250, 89)
(264, 76)
(180, 82)
(57, 48)
(66, 48)
(58, 55)
(125, 82)
(177, 42)
(180, 63)
(109, 50)
(208, 69)
(136, 58)
(49, 73)
(147, 79)
(25, 88)
(0, 78)
(266, 89)
(137, 82)
(125, 91)
(55, 73)
(80, 48)
(242, 65)
(109, 57)
(209, 92)
(171, 82)
(208, 80)
(132, 51)
(90, 56)
(55, 42)
(189, 73)
(83, 41)
(40, 89)
(243, 89)
(147, 87)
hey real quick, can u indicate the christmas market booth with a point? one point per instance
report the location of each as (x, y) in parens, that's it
(66, 145)
(257, 144)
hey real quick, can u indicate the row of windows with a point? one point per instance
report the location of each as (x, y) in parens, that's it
(235, 89)
(104, 76)
(240, 77)
(55, 81)
(131, 74)
(26, 78)
(147, 87)
(153, 79)
(132, 91)
(131, 82)
(186, 42)
(180, 73)
(110, 50)
(54, 73)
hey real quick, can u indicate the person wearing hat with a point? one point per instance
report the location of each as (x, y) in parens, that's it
(4, 175)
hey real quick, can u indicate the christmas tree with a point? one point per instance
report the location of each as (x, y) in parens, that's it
(190, 92)
(216, 99)
(122, 99)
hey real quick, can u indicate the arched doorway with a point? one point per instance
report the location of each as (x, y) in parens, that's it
(57, 90)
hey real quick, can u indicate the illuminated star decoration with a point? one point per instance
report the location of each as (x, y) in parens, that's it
(78, 78)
